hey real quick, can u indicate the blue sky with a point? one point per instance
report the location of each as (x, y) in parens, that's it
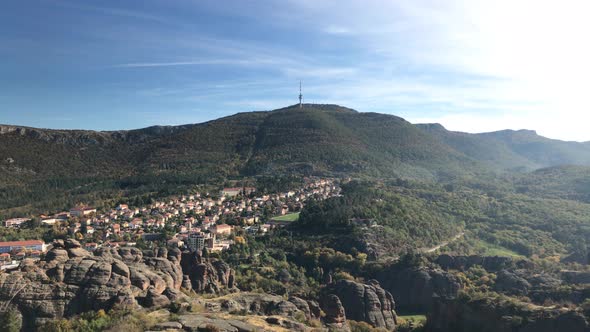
(473, 66)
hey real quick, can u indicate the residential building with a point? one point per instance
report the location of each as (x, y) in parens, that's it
(221, 229)
(196, 242)
(81, 211)
(19, 245)
(15, 222)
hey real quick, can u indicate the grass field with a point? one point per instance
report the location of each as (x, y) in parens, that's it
(495, 250)
(287, 217)
(418, 320)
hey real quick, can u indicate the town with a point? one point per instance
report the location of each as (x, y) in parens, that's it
(194, 222)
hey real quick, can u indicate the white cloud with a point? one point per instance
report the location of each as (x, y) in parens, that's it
(337, 30)
(472, 65)
(530, 60)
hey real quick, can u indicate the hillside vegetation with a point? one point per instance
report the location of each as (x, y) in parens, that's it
(44, 169)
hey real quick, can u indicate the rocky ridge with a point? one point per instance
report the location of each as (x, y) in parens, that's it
(71, 280)
(360, 302)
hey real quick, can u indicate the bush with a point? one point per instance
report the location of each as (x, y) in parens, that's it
(11, 320)
(363, 327)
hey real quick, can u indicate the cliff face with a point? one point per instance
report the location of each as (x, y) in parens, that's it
(70, 280)
(486, 316)
(415, 289)
(361, 302)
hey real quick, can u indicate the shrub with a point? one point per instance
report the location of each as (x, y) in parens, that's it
(11, 320)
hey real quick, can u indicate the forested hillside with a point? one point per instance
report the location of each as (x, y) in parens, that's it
(408, 215)
(42, 168)
(521, 150)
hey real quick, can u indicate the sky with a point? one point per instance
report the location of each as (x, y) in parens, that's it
(472, 65)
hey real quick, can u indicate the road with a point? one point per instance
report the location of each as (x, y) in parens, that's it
(446, 243)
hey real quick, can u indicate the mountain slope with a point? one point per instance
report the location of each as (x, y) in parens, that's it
(522, 150)
(315, 139)
(65, 166)
(330, 139)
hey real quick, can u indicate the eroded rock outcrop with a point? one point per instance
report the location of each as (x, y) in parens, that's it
(71, 280)
(460, 315)
(415, 288)
(335, 317)
(206, 276)
(264, 305)
(363, 302)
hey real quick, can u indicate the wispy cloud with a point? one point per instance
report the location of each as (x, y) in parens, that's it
(471, 65)
(337, 30)
(136, 14)
(185, 63)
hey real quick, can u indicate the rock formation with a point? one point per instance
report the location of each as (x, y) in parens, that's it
(335, 313)
(415, 288)
(511, 283)
(206, 276)
(485, 316)
(362, 302)
(71, 280)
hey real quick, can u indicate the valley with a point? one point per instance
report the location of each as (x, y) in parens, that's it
(310, 219)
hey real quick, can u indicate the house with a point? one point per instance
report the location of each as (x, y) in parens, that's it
(136, 223)
(80, 211)
(90, 246)
(221, 245)
(231, 192)
(49, 220)
(20, 245)
(15, 222)
(284, 209)
(221, 229)
(62, 216)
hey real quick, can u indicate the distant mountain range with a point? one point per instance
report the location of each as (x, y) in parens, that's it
(315, 139)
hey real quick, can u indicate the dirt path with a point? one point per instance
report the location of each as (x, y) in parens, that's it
(444, 244)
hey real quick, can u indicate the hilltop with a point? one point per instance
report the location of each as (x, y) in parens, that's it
(327, 140)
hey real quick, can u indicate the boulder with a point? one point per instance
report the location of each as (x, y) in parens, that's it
(153, 299)
(72, 244)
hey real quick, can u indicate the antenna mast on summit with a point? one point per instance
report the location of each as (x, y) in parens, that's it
(300, 96)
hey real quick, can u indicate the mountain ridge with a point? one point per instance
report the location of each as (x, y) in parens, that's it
(323, 140)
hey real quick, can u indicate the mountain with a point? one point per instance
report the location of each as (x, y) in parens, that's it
(75, 165)
(523, 150)
(314, 139)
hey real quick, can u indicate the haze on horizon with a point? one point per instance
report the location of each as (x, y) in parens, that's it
(472, 66)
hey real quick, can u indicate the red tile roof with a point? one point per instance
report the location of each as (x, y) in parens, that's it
(21, 243)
